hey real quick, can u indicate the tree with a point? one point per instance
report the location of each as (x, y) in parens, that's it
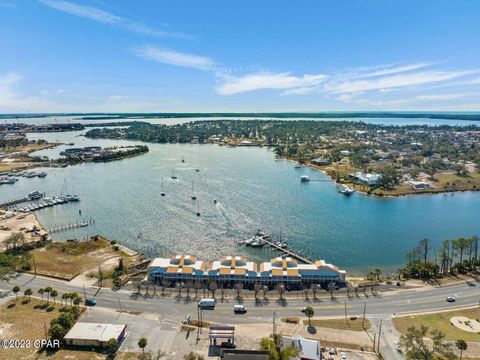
(257, 287)
(462, 346)
(238, 288)
(416, 347)
(275, 351)
(117, 282)
(213, 286)
(331, 289)
(41, 291)
(112, 343)
(309, 312)
(193, 356)
(316, 288)
(377, 272)
(142, 343)
(15, 290)
(281, 290)
(57, 331)
(48, 289)
(54, 294)
(77, 300)
(28, 292)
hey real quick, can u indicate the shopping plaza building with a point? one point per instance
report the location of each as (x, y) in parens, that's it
(231, 270)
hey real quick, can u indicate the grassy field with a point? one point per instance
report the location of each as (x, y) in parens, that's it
(66, 260)
(341, 324)
(440, 321)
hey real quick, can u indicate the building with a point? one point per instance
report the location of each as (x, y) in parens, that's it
(95, 334)
(322, 161)
(230, 270)
(366, 178)
(309, 349)
(239, 354)
(345, 153)
(180, 268)
(420, 185)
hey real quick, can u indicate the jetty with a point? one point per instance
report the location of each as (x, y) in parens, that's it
(288, 252)
(71, 226)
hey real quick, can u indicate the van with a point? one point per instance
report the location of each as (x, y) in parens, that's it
(239, 309)
(207, 304)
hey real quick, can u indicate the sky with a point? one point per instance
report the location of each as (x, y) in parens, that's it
(239, 55)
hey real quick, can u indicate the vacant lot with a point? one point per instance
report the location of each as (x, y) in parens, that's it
(440, 321)
(353, 324)
(67, 260)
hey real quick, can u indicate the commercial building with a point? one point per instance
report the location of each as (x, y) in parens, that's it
(230, 270)
(309, 349)
(95, 334)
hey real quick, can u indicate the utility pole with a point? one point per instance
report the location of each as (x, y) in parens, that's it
(345, 310)
(119, 303)
(379, 332)
(34, 264)
(364, 310)
(274, 326)
(374, 341)
(198, 323)
(84, 293)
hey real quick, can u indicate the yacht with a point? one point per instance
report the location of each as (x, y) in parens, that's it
(193, 196)
(346, 191)
(174, 177)
(304, 178)
(298, 166)
(73, 198)
(42, 174)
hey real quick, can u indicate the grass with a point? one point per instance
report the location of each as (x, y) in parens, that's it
(440, 321)
(353, 323)
(290, 320)
(67, 260)
(21, 319)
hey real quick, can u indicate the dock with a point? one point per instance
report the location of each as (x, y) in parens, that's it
(288, 252)
(15, 202)
(65, 227)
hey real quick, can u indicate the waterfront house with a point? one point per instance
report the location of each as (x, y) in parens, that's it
(322, 161)
(366, 178)
(420, 185)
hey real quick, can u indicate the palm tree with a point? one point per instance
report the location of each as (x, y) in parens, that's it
(213, 286)
(142, 343)
(281, 290)
(48, 290)
(309, 312)
(15, 290)
(238, 288)
(462, 346)
(28, 293)
(377, 272)
(64, 297)
(331, 288)
(41, 291)
(54, 294)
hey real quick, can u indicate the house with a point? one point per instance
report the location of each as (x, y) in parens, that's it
(322, 161)
(95, 334)
(420, 185)
(366, 178)
(309, 349)
(345, 153)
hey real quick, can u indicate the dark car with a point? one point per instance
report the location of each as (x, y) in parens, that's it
(91, 302)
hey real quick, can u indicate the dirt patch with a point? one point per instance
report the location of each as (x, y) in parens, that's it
(15, 222)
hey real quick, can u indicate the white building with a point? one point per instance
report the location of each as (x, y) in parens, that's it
(95, 334)
(367, 178)
(309, 349)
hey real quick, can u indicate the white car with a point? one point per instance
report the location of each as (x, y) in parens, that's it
(398, 347)
(344, 356)
(450, 299)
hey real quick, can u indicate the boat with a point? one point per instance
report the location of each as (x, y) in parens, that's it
(193, 196)
(347, 191)
(162, 193)
(215, 201)
(73, 198)
(42, 174)
(174, 177)
(35, 195)
(198, 209)
(197, 170)
(183, 159)
(298, 166)
(304, 178)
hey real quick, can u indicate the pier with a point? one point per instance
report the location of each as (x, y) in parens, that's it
(15, 202)
(288, 252)
(71, 226)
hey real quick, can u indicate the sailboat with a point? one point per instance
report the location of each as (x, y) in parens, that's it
(183, 159)
(193, 196)
(162, 193)
(174, 177)
(198, 209)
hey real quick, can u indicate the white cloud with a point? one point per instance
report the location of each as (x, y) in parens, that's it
(105, 17)
(447, 96)
(252, 82)
(389, 70)
(397, 81)
(173, 57)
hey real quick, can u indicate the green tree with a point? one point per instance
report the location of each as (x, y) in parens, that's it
(48, 289)
(142, 343)
(462, 346)
(41, 291)
(277, 352)
(57, 331)
(193, 356)
(309, 312)
(416, 347)
(54, 294)
(112, 343)
(15, 290)
(28, 292)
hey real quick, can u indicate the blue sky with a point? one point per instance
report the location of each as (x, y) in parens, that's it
(248, 55)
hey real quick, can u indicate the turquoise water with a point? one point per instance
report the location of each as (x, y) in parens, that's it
(254, 190)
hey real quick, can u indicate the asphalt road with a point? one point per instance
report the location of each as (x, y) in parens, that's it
(381, 306)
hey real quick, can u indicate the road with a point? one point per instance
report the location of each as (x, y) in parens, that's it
(382, 306)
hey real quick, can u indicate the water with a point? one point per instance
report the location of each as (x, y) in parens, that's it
(254, 190)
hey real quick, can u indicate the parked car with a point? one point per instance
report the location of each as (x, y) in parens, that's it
(239, 309)
(398, 347)
(450, 299)
(344, 356)
(91, 302)
(303, 309)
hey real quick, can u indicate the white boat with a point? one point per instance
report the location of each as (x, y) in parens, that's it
(215, 201)
(347, 191)
(162, 193)
(304, 178)
(193, 196)
(298, 165)
(174, 177)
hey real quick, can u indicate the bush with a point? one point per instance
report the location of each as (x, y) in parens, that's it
(116, 248)
(113, 242)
